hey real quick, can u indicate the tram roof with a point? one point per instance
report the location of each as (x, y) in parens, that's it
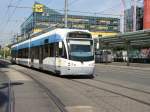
(52, 36)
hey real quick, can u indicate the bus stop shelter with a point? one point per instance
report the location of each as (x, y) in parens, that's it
(127, 41)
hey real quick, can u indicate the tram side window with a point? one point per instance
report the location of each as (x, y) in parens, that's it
(27, 53)
(52, 49)
(36, 52)
(13, 53)
(32, 52)
(46, 50)
(20, 53)
(23, 53)
(57, 49)
(16, 53)
(18, 56)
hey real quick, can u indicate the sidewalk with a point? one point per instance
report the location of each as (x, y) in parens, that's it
(26, 94)
(3, 89)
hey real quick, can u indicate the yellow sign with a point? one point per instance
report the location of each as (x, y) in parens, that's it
(38, 8)
(36, 30)
(96, 34)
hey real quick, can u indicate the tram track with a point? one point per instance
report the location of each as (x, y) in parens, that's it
(114, 92)
(61, 106)
(119, 85)
(7, 84)
(52, 96)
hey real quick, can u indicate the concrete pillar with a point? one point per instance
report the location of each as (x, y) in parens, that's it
(128, 50)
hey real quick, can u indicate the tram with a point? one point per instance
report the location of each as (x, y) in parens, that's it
(62, 51)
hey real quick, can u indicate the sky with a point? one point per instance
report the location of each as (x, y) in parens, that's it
(11, 17)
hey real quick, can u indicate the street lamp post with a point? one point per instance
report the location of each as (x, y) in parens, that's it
(122, 28)
(134, 14)
(66, 13)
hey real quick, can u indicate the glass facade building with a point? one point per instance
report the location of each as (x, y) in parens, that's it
(129, 19)
(43, 17)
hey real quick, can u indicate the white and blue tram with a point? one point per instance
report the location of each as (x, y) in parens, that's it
(62, 51)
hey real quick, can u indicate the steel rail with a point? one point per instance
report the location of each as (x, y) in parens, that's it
(54, 98)
(111, 91)
(119, 85)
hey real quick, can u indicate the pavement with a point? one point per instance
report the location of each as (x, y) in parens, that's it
(125, 76)
(136, 73)
(26, 95)
(3, 89)
(93, 95)
(115, 88)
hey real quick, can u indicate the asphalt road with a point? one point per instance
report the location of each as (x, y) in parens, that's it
(129, 74)
(114, 89)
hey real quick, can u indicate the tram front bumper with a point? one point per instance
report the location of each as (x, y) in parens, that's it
(77, 71)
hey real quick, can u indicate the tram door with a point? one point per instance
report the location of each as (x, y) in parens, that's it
(52, 55)
(57, 66)
(40, 56)
(32, 55)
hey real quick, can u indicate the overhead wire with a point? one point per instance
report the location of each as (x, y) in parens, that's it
(86, 12)
(11, 15)
(8, 8)
(110, 9)
(73, 2)
(13, 12)
(48, 3)
(6, 12)
(5, 15)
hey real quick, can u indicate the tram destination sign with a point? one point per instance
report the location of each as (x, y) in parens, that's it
(79, 35)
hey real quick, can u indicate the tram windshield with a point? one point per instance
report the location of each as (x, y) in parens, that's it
(81, 50)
